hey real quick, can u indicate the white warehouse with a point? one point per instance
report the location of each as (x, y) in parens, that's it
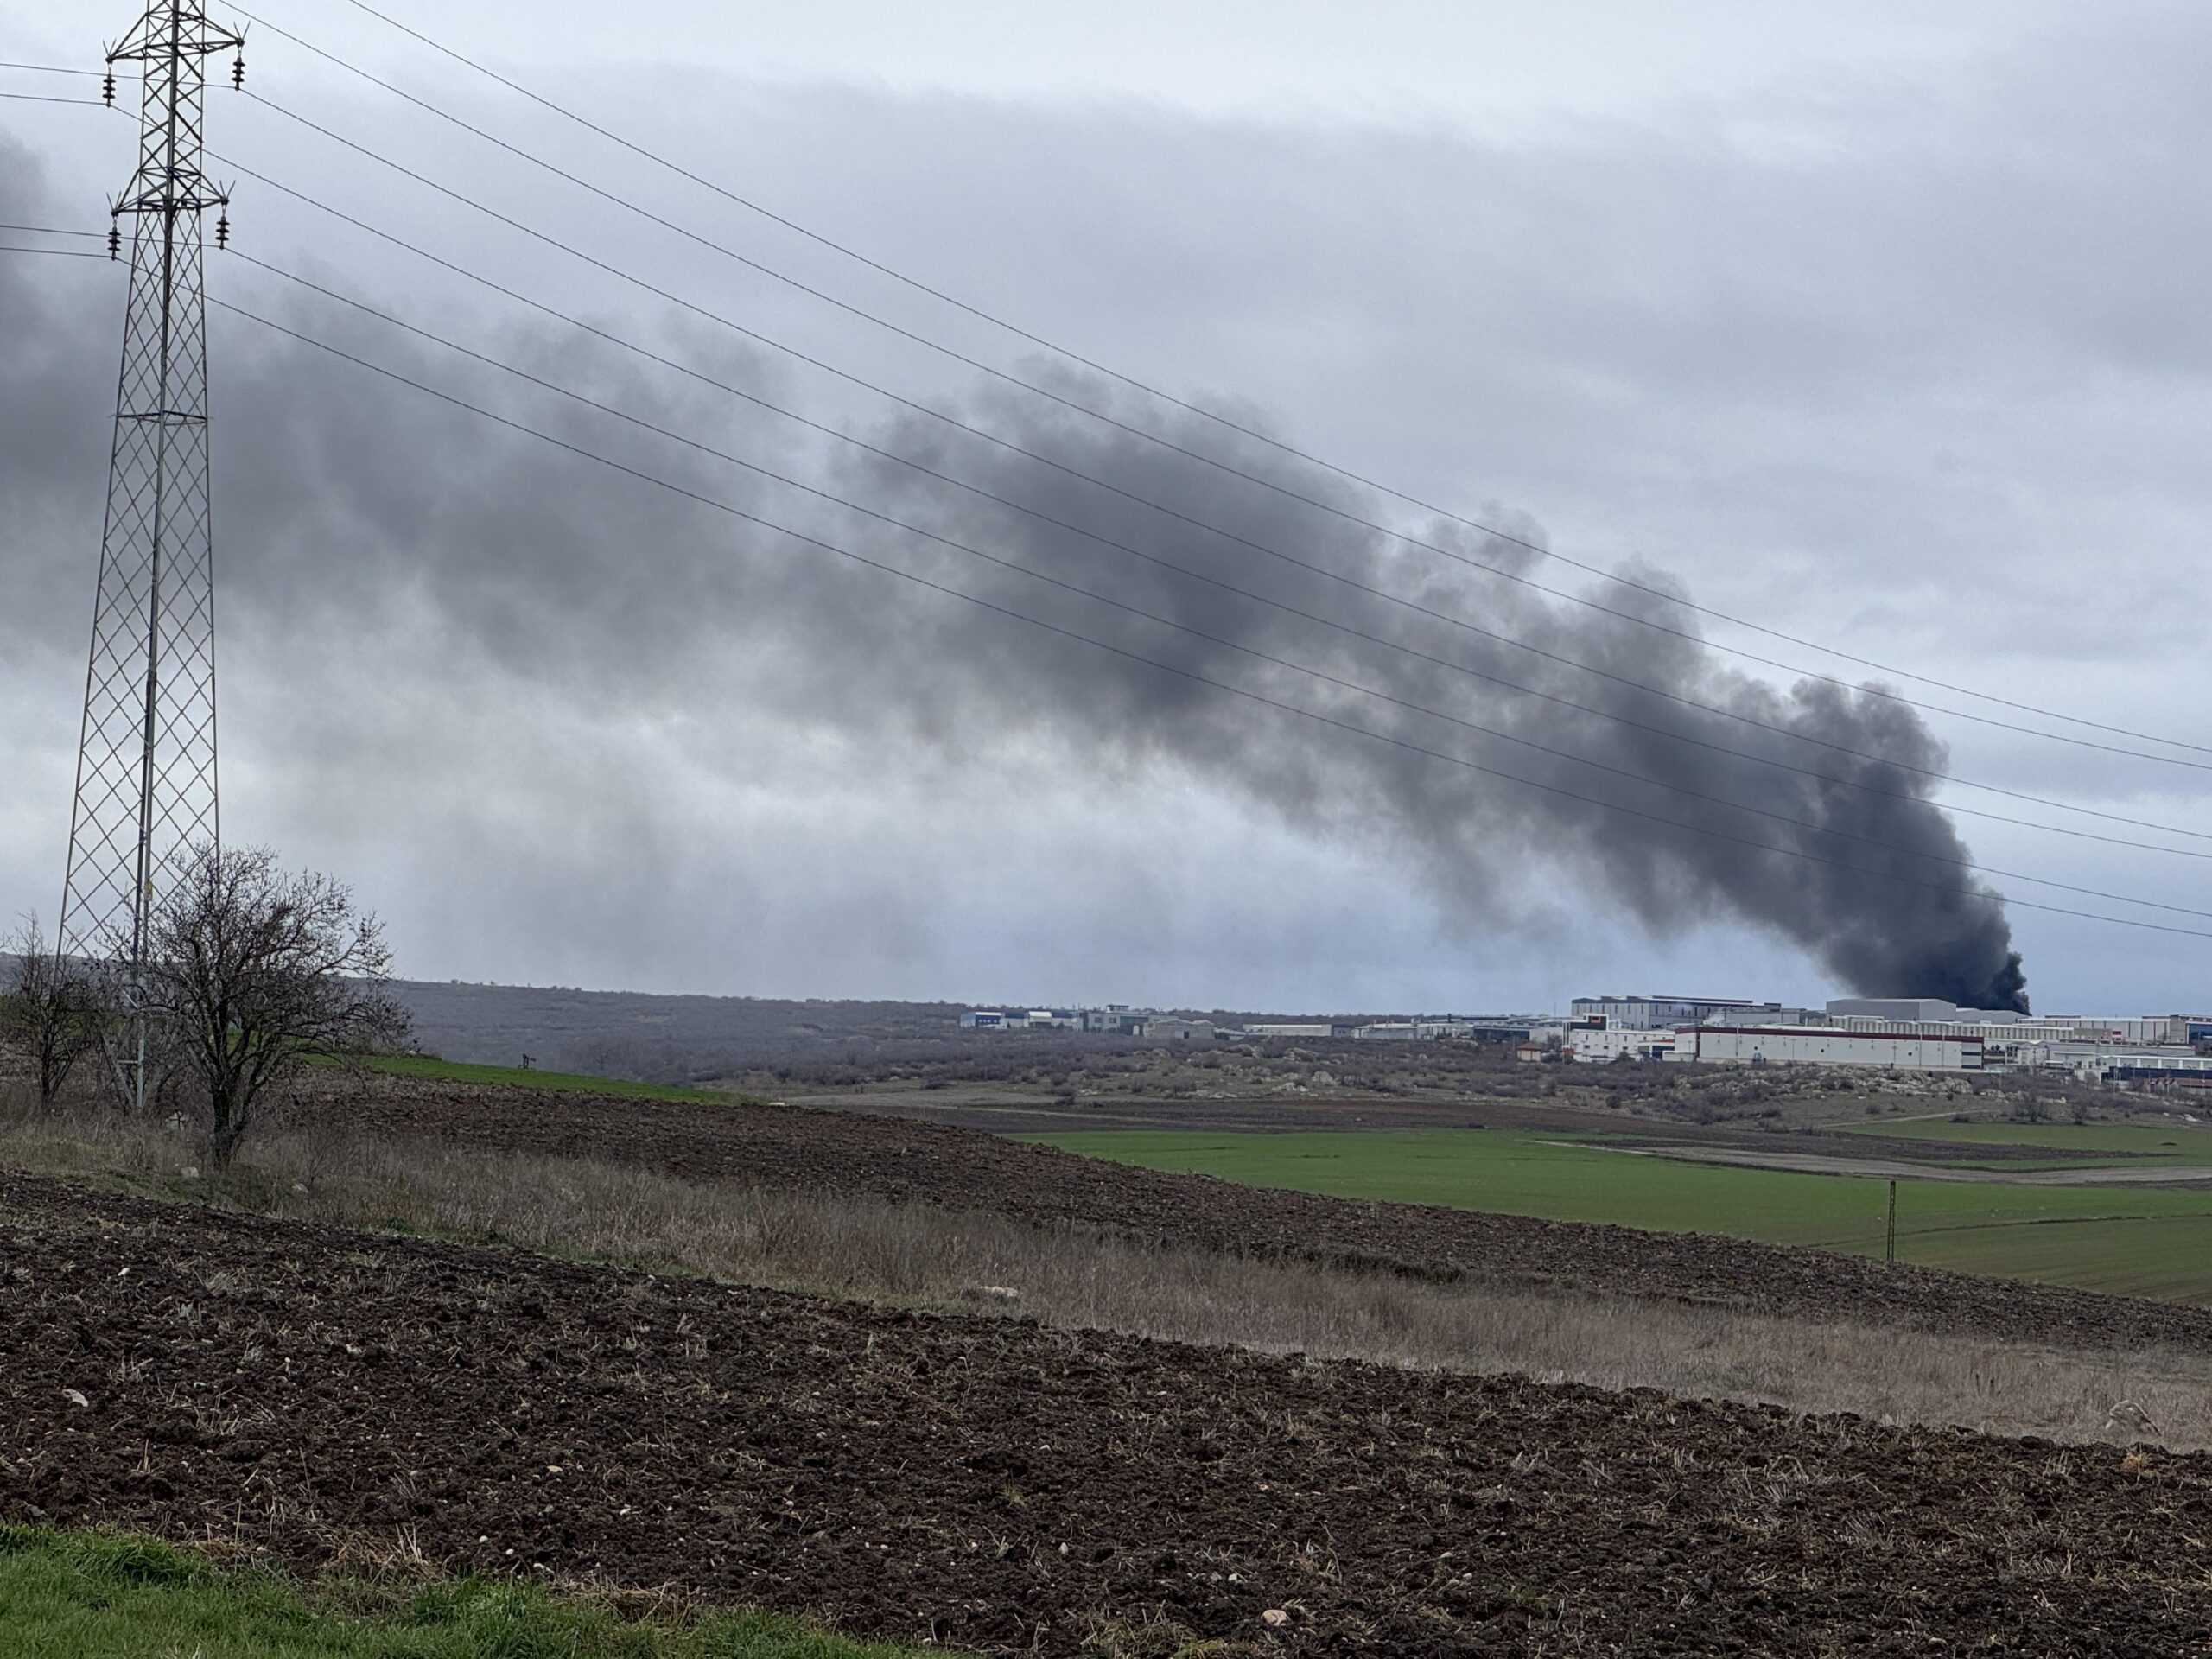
(1826, 1045)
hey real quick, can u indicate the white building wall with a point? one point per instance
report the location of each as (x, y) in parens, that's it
(1827, 1047)
(1601, 1046)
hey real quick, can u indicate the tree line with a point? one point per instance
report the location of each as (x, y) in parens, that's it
(248, 972)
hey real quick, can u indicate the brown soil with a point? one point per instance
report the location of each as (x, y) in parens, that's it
(995, 1486)
(904, 1160)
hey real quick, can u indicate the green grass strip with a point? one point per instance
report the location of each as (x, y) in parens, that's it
(2136, 1241)
(430, 1067)
(89, 1595)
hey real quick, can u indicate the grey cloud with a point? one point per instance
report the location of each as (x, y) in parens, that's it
(1822, 365)
(349, 492)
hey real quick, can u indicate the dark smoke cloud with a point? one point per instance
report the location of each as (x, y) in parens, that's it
(1935, 932)
(349, 506)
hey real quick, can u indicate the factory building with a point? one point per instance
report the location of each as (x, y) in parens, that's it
(1022, 1019)
(1115, 1019)
(1824, 1045)
(1782, 1046)
(1920, 1034)
(1916, 1032)
(1407, 1031)
(2100, 1062)
(1655, 1012)
(1600, 1045)
(1677, 1013)
(1166, 1027)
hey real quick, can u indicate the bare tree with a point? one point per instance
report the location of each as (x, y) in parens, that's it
(53, 1010)
(251, 969)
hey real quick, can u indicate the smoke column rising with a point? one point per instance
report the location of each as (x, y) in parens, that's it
(1937, 932)
(348, 506)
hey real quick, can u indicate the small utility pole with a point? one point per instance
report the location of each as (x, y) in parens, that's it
(146, 754)
(1890, 1253)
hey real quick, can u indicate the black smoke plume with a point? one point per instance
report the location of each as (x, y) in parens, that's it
(1873, 882)
(348, 505)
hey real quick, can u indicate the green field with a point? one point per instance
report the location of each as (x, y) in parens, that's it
(2132, 1240)
(437, 1071)
(93, 1596)
(2164, 1143)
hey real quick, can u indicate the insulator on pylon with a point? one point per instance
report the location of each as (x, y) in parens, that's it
(115, 241)
(237, 73)
(223, 232)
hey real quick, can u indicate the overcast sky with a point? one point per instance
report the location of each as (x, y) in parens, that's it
(1882, 331)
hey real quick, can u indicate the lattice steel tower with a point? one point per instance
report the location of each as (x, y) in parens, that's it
(146, 760)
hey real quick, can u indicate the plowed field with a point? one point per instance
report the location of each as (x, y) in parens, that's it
(999, 1487)
(905, 1159)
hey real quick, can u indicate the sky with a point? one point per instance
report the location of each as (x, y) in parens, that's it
(1873, 325)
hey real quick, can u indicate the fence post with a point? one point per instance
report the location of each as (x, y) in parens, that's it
(1890, 1253)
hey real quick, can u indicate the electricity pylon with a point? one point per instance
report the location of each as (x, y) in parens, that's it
(146, 757)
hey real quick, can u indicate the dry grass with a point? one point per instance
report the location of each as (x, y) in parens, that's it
(982, 1264)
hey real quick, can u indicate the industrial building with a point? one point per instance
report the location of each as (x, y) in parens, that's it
(2093, 1063)
(1115, 1019)
(1602, 1042)
(1906, 1033)
(1119, 1019)
(1918, 1033)
(1022, 1019)
(1655, 1012)
(1824, 1045)
(1675, 1012)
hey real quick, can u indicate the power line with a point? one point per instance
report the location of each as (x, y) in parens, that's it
(1139, 432)
(1171, 623)
(616, 271)
(1280, 662)
(1324, 621)
(42, 97)
(804, 539)
(1153, 439)
(64, 69)
(1318, 570)
(55, 253)
(1154, 559)
(1459, 622)
(59, 69)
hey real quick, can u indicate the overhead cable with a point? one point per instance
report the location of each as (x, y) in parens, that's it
(808, 539)
(957, 424)
(956, 545)
(753, 399)
(517, 225)
(616, 199)
(55, 253)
